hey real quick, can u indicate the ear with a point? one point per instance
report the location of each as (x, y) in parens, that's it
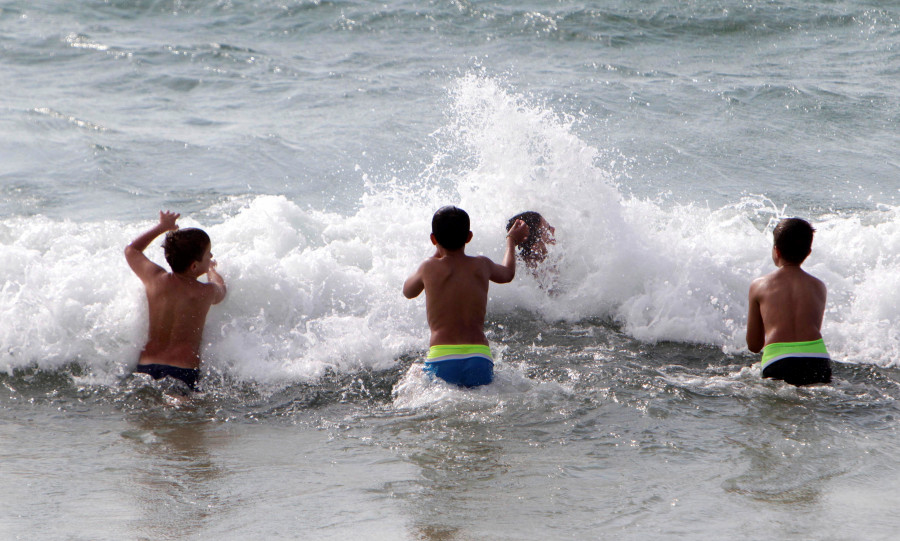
(194, 268)
(468, 237)
(433, 240)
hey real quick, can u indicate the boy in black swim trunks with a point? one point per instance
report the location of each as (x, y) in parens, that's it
(178, 302)
(786, 311)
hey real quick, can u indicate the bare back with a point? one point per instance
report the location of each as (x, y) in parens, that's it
(178, 308)
(456, 288)
(178, 303)
(787, 305)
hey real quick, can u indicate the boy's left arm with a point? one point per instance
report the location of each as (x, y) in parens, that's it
(134, 252)
(504, 273)
(218, 283)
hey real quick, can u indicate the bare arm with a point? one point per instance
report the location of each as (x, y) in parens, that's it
(505, 272)
(756, 331)
(414, 285)
(134, 252)
(218, 282)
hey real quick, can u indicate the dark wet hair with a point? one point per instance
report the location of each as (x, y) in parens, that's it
(184, 246)
(450, 226)
(793, 238)
(533, 220)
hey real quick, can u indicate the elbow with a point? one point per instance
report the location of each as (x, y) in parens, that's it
(221, 293)
(755, 346)
(412, 288)
(410, 294)
(504, 274)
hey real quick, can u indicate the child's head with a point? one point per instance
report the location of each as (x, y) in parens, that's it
(450, 227)
(185, 246)
(540, 233)
(793, 239)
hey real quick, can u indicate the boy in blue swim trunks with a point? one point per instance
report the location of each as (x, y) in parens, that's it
(456, 288)
(786, 311)
(178, 302)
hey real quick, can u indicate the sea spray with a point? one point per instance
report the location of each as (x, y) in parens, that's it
(312, 292)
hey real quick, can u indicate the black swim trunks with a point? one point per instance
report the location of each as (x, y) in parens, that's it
(158, 371)
(799, 370)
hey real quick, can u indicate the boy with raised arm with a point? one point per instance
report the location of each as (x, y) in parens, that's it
(786, 311)
(178, 302)
(456, 288)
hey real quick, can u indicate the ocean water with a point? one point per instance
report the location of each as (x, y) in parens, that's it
(313, 140)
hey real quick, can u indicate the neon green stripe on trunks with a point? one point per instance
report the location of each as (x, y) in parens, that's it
(780, 350)
(445, 350)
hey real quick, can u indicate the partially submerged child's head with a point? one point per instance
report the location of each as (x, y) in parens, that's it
(185, 246)
(534, 222)
(540, 233)
(450, 227)
(793, 239)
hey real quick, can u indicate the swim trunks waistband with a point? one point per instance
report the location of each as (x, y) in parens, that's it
(158, 371)
(458, 351)
(467, 365)
(814, 349)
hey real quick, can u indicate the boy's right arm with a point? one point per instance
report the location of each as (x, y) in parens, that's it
(756, 331)
(134, 252)
(415, 284)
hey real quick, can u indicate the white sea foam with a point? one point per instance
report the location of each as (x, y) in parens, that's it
(311, 291)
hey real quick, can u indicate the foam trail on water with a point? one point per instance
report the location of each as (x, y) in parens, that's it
(311, 292)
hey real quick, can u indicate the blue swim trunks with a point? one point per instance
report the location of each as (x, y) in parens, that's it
(468, 365)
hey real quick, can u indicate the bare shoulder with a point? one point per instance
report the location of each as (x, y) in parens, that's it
(213, 293)
(818, 284)
(485, 262)
(430, 266)
(814, 279)
(483, 259)
(759, 284)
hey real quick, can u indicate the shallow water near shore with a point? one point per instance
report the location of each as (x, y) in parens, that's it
(590, 435)
(313, 140)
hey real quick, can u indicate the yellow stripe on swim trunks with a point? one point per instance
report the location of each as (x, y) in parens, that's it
(458, 350)
(780, 350)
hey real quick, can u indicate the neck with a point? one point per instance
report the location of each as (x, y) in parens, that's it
(451, 253)
(186, 275)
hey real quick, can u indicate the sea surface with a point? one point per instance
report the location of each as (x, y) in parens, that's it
(313, 140)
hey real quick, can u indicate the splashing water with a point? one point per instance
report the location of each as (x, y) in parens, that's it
(312, 292)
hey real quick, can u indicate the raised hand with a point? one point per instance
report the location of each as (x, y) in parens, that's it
(167, 220)
(518, 232)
